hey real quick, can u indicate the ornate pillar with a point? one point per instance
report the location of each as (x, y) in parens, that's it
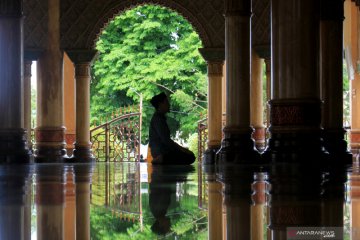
(257, 109)
(295, 115)
(331, 75)
(82, 61)
(27, 101)
(268, 90)
(237, 145)
(50, 131)
(13, 145)
(215, 63)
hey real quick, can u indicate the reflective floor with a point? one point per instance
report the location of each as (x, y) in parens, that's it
(140, 201)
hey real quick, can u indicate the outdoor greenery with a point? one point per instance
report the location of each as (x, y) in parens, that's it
(147, 50)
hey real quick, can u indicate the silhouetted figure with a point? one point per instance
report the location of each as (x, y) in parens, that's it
(163, 149)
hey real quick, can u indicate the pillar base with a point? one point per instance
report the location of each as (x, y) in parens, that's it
(82, 154)
(238, 147)
(296, 147)
(209, 156)
(336, 145)
(13, 147)
(50, 145)
(259, 138)
(295, 132)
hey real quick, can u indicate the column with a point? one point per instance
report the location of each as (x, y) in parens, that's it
(82, 61)
(27, 101)
(83, 175)
(13, 145)
(50, 131)
(268, 90)
(353, 28)
(237, 145)
(295, 113)
(331, 76)
(69, 104)
(257, 109)
(215, 63)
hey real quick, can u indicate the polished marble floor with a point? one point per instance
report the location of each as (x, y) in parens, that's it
(141, 201)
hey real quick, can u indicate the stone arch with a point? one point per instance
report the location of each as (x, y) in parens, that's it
(82, 33)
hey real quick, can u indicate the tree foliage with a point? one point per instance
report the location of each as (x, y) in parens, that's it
(147, 50)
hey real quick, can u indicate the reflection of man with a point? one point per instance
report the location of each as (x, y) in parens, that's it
(161, 188)
(163, 149)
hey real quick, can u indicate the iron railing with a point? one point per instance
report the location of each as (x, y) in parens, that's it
(202, 137)
(118, 139)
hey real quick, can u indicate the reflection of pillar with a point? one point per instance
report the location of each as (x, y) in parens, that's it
(27, 100)
(331, 64)
(295, 105)
(69, 104)
(50, 202)
(50, 131)
(15, 202)
(82, 61)
(215, 210)
(236, 181)
(83, 181)
(258, 206)
(13, 146)
(70, 207)
(237, 146)
(215, 61)
(257, 108)
(268, 89)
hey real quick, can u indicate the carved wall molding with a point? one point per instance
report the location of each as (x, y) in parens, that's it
(82, 21)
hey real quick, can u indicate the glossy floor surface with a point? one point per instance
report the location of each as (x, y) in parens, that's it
(141, 201)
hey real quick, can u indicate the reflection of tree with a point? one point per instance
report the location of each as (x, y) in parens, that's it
(187, 220)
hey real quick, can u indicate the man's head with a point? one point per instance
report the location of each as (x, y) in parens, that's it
(161, 103)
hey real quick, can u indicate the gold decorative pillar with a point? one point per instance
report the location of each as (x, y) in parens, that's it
(49, 199)
(352, 23)
(257, 109)
(215, 63)
(295, 114)
(83, 181)
(331, 76)
(82, 61)
(237, 145)
(13, 145)
(268, 90)
(27, 101)
(69, 104)
(50, 131)
(354, 181)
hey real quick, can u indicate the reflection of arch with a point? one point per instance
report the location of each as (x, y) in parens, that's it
(80, 31)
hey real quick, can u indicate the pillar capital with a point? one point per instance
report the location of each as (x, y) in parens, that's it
(11, 8)
(83, 70)
(238, 8)
(81, 56)
(213, 54)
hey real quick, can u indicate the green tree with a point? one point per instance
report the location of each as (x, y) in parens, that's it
(147, 50)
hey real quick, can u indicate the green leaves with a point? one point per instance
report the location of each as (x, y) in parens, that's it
(147, 50)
